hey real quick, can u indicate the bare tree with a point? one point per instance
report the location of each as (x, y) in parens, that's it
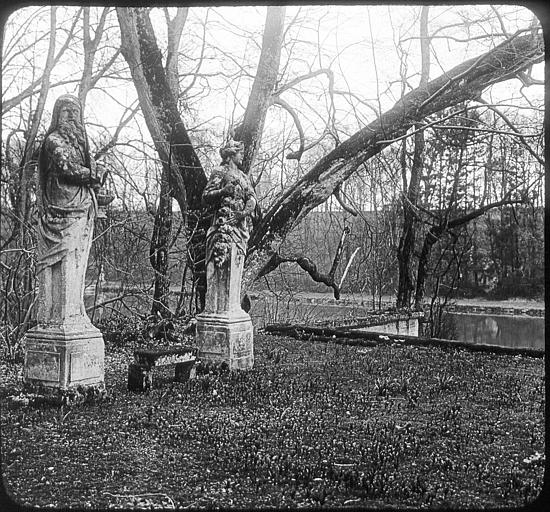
(461, 84)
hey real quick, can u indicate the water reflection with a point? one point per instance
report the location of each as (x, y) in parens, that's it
(508, 331)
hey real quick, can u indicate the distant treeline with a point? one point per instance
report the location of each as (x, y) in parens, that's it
(501, 254)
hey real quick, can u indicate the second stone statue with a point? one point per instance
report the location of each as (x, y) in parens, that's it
(224, 330)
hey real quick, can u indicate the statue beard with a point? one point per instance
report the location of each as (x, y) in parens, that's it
(72, 131)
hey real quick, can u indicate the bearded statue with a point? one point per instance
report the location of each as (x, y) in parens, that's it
(68, 179)
(230, 194)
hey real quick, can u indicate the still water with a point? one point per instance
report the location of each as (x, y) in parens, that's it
(503, 330)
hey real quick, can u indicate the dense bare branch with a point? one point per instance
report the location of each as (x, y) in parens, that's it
(463, 83)
(10, 103)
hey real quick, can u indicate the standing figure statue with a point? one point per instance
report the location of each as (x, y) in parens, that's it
(65, 350)
(229, 192)
(68, 177)
(224, 330)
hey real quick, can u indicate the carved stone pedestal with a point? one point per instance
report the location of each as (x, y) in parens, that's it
(64, 362)
(226, 337)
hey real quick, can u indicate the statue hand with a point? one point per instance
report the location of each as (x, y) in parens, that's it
(103, 174)
(236, 217)
(228, 190)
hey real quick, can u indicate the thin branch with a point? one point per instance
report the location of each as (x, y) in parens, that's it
(515, 131)
(346, 207)
(346, 270)
(301, 78)
(296, 155)
(30, 90)
(122, 124)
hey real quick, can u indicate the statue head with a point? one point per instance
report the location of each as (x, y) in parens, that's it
(231, 149)
(68, 120)
(67, 110)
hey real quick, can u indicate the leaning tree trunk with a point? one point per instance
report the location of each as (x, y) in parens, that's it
(464, 82)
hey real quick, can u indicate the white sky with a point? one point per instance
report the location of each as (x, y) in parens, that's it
(364, 37)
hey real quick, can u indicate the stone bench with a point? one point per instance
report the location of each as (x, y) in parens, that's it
(140, 372)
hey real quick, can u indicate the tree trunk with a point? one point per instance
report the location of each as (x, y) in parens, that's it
(410, 194)
(158, 250)
(406, 247)
(261, 95)
(430, 239)
(180, 162)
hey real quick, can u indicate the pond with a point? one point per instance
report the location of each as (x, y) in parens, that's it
(509, 331)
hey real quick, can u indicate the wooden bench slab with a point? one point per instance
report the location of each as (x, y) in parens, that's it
(149, 357)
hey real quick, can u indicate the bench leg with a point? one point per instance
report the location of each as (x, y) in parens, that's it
(139, 378)
(185, 371)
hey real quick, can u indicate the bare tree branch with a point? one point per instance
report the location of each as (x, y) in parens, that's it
(175, 29)
(8, 104)
(310, 267)
(516, 132)
(301, 78)
(296, 155)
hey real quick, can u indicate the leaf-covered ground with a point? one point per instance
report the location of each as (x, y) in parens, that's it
(313, 424)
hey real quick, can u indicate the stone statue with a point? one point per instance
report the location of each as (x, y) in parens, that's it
(230, 193)
(68, 177)
(65, 349)
(224, 330)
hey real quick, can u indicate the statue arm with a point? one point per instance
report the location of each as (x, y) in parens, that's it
(67, 169)
(214, 188)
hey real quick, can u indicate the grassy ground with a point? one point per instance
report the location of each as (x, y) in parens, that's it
(313, 424)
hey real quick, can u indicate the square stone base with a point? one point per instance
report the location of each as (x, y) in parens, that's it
(226, 338)
(63, 360)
